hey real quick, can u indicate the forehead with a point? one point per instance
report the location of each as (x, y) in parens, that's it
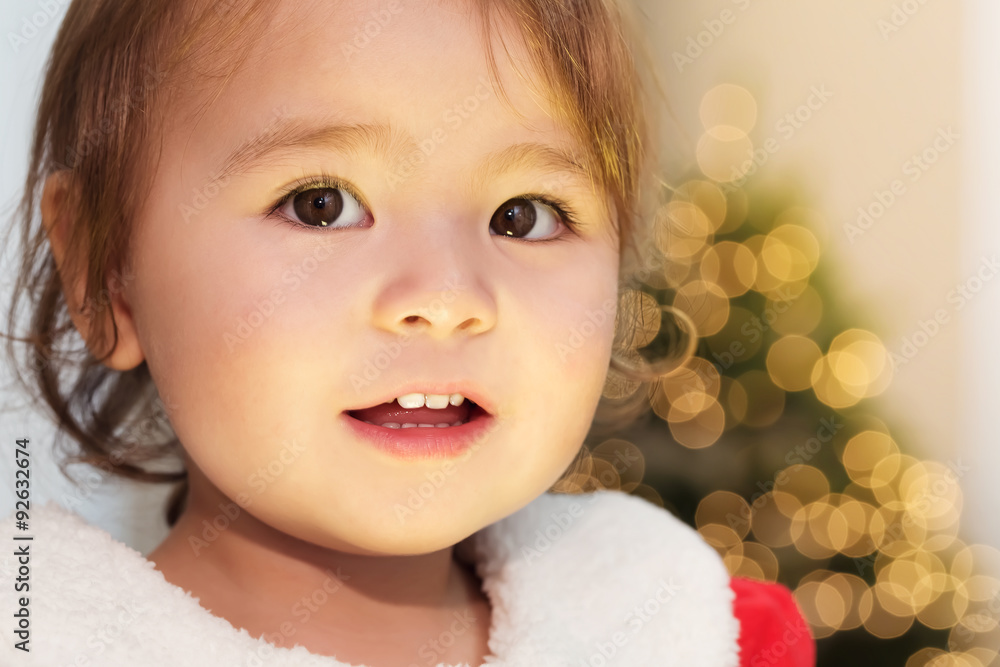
(418, 69)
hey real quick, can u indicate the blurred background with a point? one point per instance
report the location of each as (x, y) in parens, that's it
(829, 228)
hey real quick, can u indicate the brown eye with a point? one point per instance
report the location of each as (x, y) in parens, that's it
(519, 217)
(323, 207)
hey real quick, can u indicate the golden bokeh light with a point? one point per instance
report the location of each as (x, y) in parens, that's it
(924, 656)
(878, 620)
(722, 154)
(796, 314)
(823, 606)
(763, 558)
(773, 360)
(790, 253)
(805, 482)
(807, 530)
(948, 606)
(708, 197)
(861, 516)
(788, 503)
(683, 231)
(974, 558)
(705, 303)
(770, 525)
(687, 391)
(737, 209)
(725, 508)
(736, 400)
(851, 587)
(731, 266)
(700, 431)
(790, 362)
(860, 363)
(867, 451)
(739, 565)
(722, 538)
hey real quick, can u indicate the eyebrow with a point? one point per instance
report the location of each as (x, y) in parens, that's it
(286, 137)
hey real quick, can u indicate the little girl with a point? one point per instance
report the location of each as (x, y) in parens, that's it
(367, 257)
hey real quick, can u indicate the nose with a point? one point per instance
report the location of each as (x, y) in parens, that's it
(437, 283)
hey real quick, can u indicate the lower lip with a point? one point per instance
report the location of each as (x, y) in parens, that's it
(418, 443)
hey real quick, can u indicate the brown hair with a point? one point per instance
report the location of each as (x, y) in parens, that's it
(108, 77)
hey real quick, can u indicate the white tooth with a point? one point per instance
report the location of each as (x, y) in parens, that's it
(445, 425)
(425, 425)
(458, 423)
(409, 425)
(437, 401)
(411, 401)
(433, 401)
(391, 425)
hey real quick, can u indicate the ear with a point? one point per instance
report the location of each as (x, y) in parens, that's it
(58, 217)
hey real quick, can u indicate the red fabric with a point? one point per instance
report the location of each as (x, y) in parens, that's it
(773, 632)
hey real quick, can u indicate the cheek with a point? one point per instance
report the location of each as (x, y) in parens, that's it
(577, 323)
(572, 323)
(237, 328)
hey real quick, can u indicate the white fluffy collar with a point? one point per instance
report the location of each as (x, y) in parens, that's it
(573, 580)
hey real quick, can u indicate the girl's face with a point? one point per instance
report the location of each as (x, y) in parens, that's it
(261, 329)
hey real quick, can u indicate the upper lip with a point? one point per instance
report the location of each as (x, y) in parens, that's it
(465, 388)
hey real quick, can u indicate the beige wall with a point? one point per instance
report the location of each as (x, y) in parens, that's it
(891, 92)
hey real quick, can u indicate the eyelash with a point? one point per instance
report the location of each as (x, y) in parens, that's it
(562, 209)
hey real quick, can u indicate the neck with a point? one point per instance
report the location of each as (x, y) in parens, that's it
(291, 591)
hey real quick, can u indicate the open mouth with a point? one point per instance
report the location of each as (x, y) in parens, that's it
(392, 415)
(423, 433)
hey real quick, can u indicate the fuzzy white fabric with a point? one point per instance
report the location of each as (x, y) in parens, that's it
(589, 580)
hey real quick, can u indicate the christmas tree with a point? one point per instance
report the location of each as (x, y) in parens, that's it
(768, 439)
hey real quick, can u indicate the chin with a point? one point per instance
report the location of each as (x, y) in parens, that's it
(403, 543)
(385, 536)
